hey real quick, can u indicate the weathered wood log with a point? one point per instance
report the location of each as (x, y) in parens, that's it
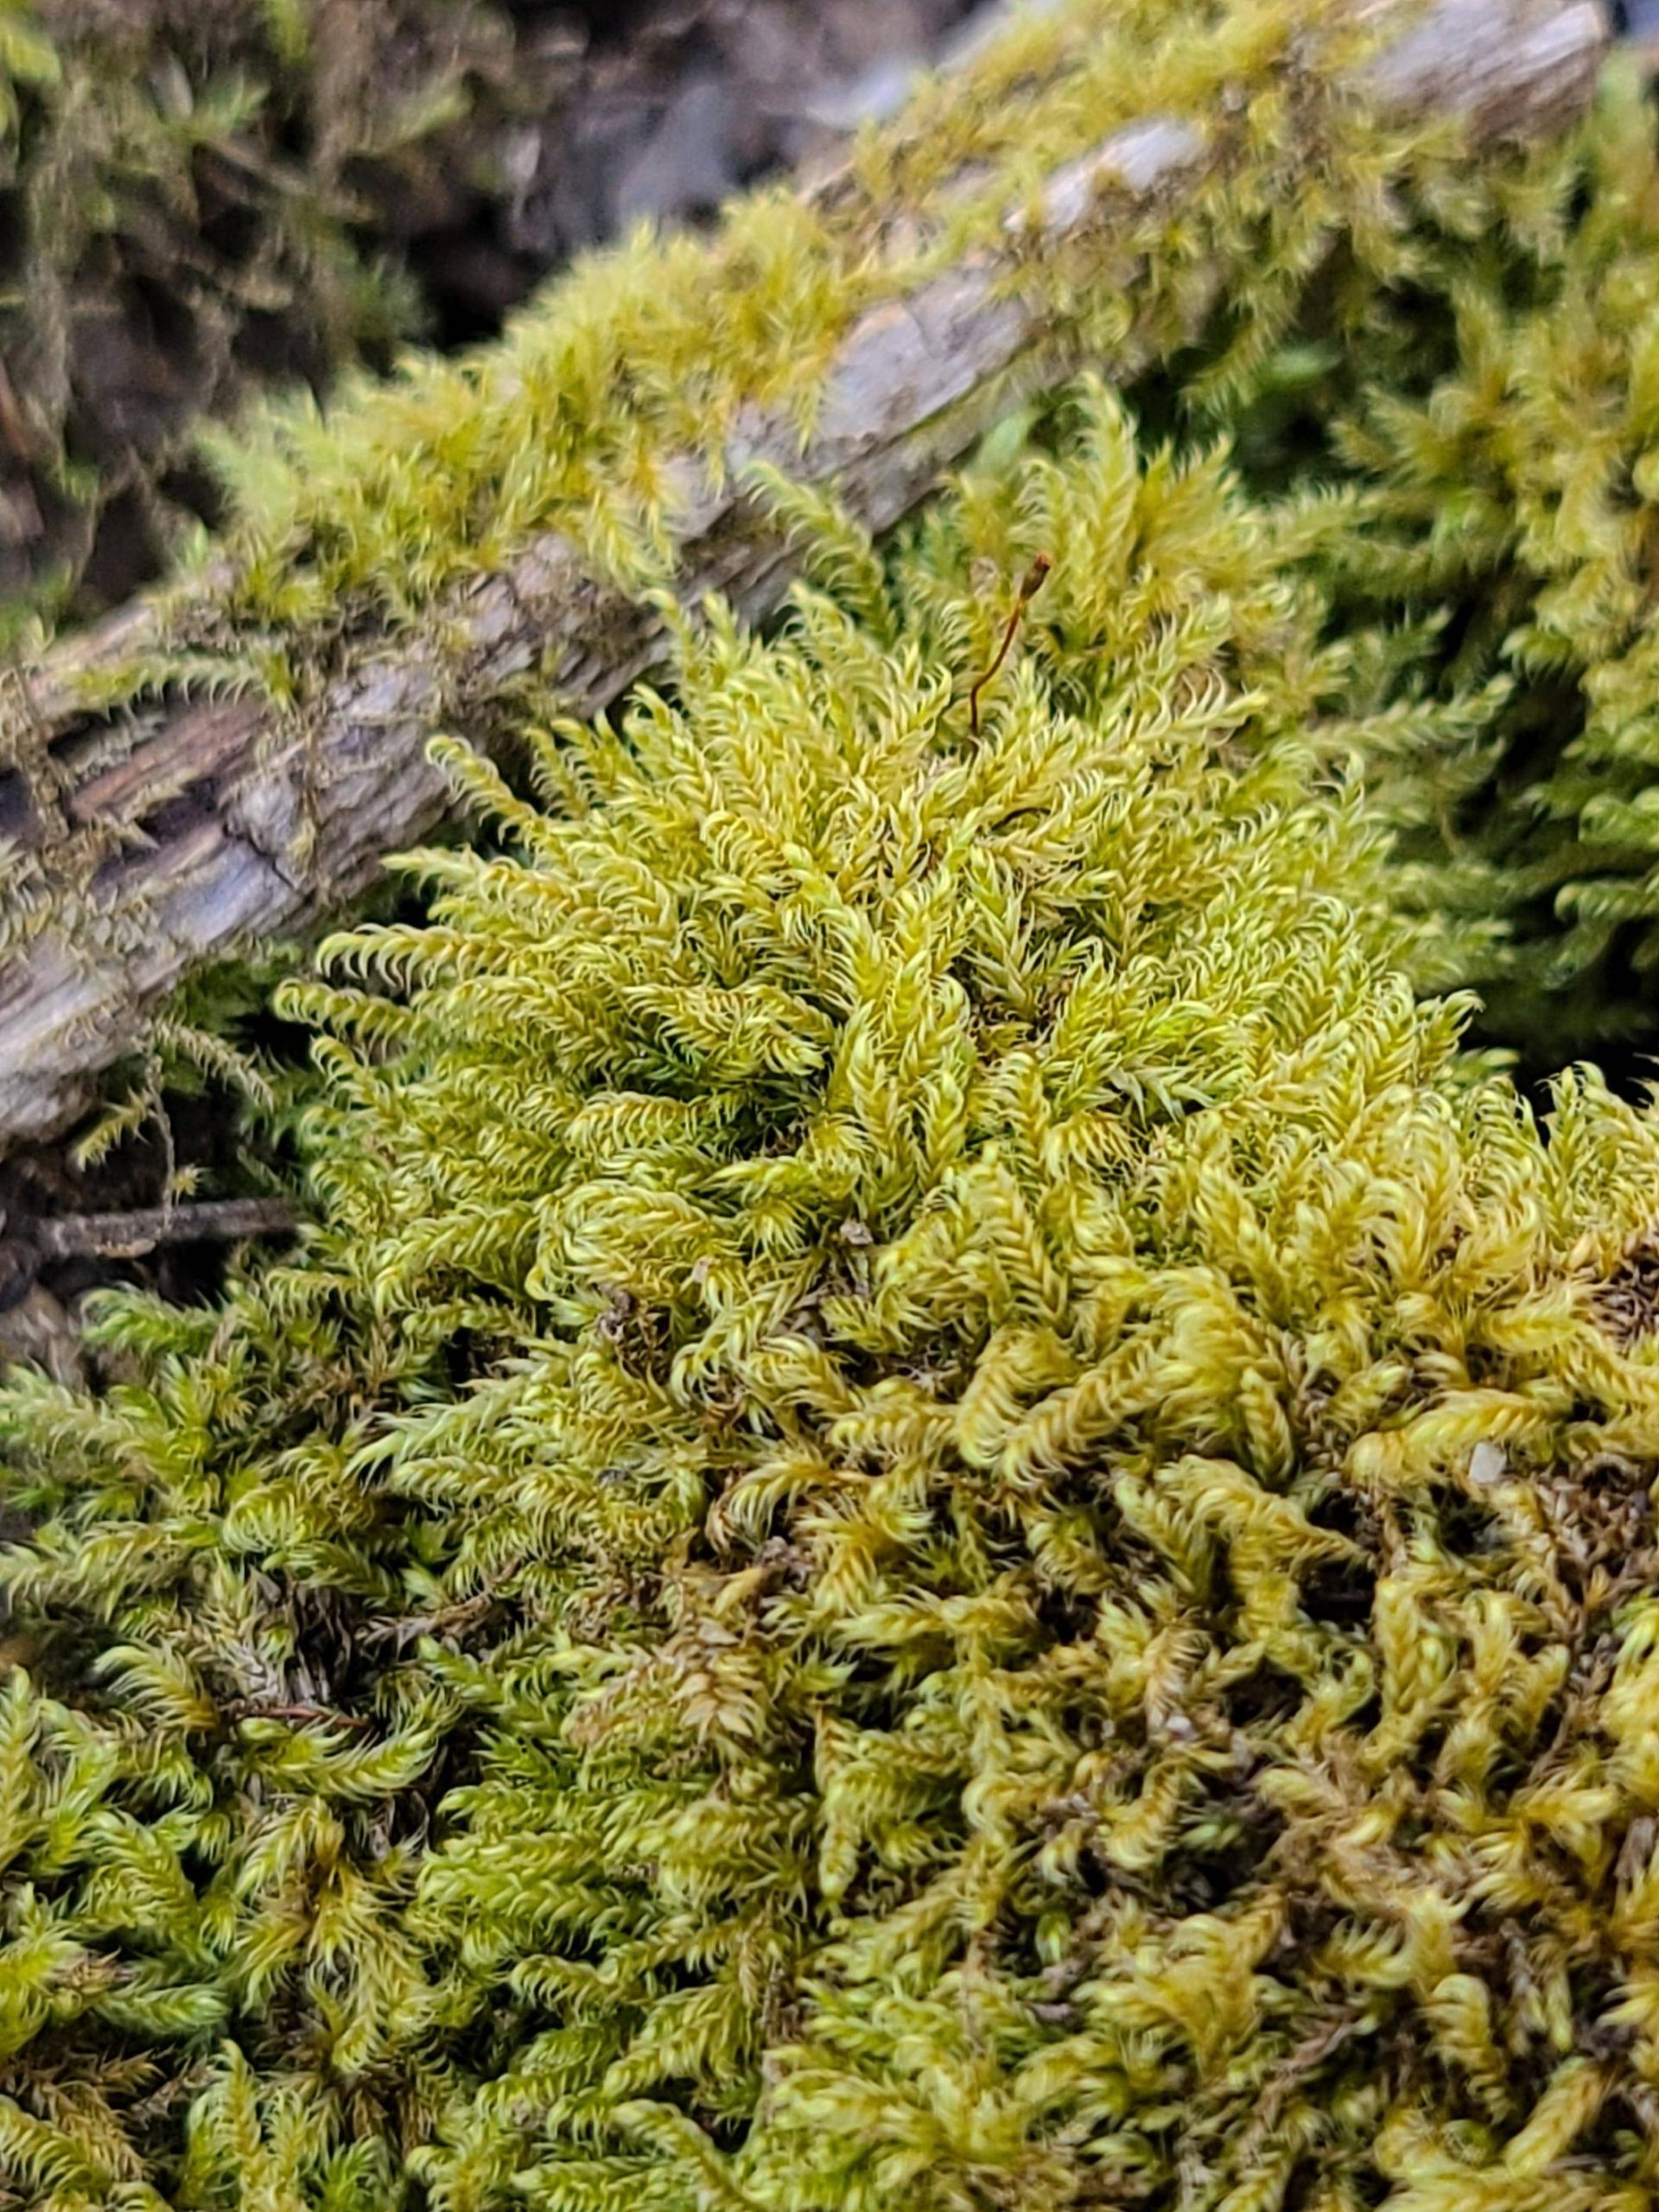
(213, 826)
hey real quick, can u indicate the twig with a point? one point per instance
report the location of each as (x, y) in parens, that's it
(125, 1235)
(240, 1711)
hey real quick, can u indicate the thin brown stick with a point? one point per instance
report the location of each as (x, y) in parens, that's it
(125, 1235)
(240, 1713)
(1031, 583)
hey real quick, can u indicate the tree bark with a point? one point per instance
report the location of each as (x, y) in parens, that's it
(216, 830)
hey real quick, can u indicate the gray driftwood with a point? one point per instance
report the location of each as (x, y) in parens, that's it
(205, 816)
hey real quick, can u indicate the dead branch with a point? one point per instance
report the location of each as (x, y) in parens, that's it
(126, 1235)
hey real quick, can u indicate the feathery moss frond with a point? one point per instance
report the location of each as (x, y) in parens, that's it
(943, 1510)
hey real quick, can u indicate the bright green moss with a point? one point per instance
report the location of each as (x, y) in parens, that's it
(943, 1516)
(625, 379)
(1454, 356)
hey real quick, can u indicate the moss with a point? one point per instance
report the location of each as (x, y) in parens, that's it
(197, 199)
(944, 1512)
(1470, 457)
(1442, 365)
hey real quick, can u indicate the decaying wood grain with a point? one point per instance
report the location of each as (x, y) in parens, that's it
(212, 834)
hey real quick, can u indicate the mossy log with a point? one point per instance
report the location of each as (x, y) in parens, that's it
(156, 815)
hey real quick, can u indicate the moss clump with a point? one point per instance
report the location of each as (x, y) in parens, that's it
(945, 1512)
(1480, 448)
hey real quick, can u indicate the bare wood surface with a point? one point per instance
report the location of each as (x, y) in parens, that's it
(126, 1235)
(218, 830)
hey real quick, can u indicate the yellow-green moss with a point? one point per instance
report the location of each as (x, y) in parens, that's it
(363, 521)
(1472, 458)
(943, 1514)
